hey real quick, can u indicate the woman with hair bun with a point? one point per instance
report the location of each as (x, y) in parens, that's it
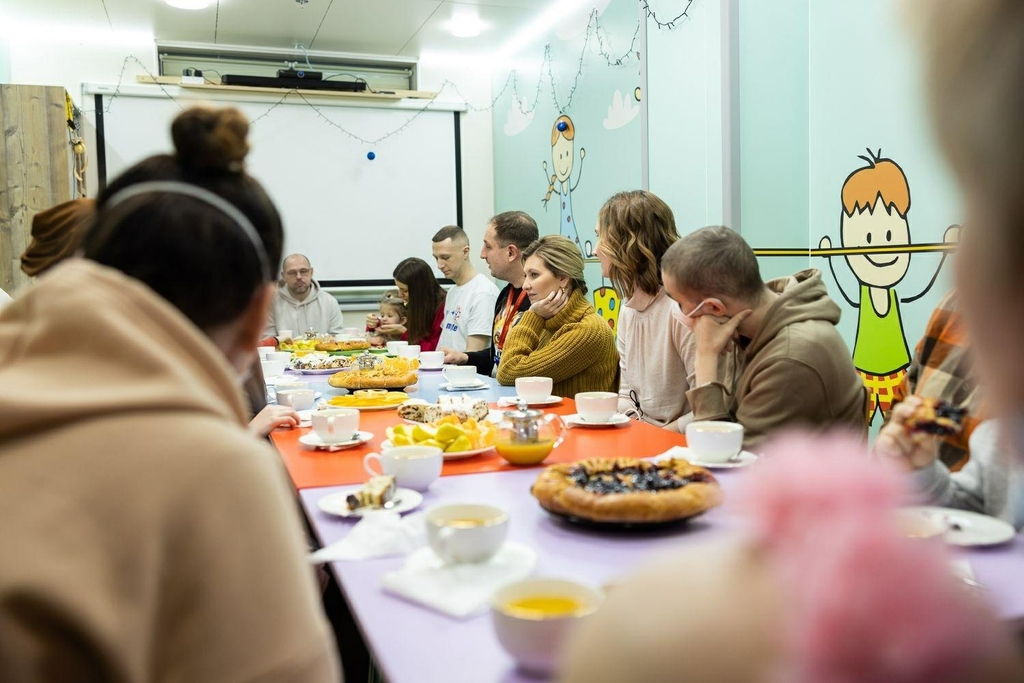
(561, 336)
(154, 536)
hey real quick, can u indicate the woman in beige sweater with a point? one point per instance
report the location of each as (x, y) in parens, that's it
(656, 350)
(561, 336)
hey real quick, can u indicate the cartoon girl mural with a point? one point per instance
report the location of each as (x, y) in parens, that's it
(562, 135)
(875, 204)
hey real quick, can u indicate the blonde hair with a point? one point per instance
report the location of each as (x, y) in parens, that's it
(974, 77)
(569, 133)
(562, 257)
(635, 230)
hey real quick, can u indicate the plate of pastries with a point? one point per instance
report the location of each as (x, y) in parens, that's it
(385, 373)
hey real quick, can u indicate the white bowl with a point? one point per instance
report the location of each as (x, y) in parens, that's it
(537, 643)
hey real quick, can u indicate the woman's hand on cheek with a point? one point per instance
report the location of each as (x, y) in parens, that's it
(549, 306)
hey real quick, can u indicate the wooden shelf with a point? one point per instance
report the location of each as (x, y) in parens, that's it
(380, 95)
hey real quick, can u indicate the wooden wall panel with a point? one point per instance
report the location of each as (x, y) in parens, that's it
(35, 168)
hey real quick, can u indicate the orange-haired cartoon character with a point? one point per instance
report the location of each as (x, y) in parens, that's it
(562, 158)
(876, 200)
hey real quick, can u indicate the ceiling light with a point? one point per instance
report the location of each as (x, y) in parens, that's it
(465, 24)
(188, 4)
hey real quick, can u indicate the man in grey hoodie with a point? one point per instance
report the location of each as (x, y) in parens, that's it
(792, 367)
(300, 305)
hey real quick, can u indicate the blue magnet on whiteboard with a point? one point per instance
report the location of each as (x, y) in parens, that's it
(562, 126)
(371, 156)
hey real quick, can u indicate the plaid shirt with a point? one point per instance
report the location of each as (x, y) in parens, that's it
(941, 369)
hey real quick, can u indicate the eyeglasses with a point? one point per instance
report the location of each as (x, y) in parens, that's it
(295, 273)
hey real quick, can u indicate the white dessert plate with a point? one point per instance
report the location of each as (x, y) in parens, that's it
(512, 401)
(314, 440)
(335, 503)
(966, 528)
(617, 420)
(322, 371)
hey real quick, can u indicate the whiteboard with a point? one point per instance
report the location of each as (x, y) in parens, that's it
(355, 218)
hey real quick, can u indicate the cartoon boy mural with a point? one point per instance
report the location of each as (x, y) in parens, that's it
(562, 159)
(876, 200)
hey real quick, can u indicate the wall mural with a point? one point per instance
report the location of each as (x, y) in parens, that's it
(563, 135)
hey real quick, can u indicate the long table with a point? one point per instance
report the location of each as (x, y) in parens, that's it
(415, 645)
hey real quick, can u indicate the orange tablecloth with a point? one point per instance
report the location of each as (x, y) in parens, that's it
(310, 468)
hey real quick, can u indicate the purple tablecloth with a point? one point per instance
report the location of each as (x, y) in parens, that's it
(415, 645)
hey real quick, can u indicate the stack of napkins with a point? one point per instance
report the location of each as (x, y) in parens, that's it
(459, 590)
(380, 533)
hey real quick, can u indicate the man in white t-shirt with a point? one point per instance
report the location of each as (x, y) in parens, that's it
(469, 306)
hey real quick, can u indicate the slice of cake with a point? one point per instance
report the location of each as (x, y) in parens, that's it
(427, 412)
(374, 494)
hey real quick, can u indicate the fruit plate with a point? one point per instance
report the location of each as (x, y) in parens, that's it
(457, 455)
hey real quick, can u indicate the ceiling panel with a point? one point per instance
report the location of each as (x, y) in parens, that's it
(384, 27)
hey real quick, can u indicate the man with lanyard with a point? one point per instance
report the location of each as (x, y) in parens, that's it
(506, 236)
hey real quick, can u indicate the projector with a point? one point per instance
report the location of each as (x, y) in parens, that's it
(300, 73)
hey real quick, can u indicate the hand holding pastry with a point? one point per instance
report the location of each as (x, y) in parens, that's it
(372, 321)
(914, 449)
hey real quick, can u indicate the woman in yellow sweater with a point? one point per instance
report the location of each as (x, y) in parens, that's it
(561, 336)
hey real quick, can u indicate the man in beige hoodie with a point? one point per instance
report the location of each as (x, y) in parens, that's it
(147, 534)
(796, 369)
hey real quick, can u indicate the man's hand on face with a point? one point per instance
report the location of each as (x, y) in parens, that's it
(715, 334)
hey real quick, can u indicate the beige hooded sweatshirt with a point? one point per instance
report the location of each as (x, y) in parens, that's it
(146, 535)
(797, 370)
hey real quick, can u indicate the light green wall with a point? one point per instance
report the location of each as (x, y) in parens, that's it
(5, 60)
(612, 161)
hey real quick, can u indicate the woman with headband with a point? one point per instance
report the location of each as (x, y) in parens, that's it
(146, 531)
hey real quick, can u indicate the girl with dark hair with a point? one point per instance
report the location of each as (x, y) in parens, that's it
(142, 459)
(424, 297)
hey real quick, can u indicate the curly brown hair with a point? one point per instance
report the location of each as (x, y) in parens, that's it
(635, 230)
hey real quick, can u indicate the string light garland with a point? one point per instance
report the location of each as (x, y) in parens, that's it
(652, 16)
(594, 29)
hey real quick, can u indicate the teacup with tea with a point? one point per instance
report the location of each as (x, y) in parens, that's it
(466, 533)
(713, 441)
(533, 619)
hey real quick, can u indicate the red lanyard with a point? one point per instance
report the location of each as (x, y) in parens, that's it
(512, 310)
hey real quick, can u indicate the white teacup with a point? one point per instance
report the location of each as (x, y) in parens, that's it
(431, 360)
(395, 346)
(290, 386)
(409, 351)
(298, 399)
(533, 618)
(264, 351)
(283, 356)
(466, 533)
(413, 467)
(714, 441)
(597, 406)
(335, 425)
(284, 335)
(355, 333)
(460, 375)
(533, 388)
(273, 368)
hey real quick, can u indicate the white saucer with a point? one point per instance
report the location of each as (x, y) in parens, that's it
(513, 401)
(966, 528)
(617, 420)
(439, 368)
(745, 459)
(311, 439)
(334, 503)
(448, 386)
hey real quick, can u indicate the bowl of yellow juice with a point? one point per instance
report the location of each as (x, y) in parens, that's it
(533, 619)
